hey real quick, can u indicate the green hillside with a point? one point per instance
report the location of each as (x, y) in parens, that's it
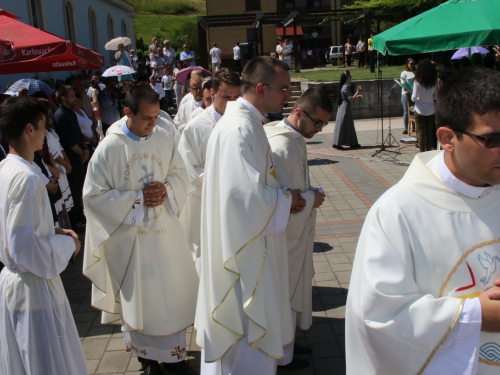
(175, 20)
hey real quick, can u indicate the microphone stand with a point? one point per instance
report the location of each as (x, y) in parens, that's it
(390, 140)
(381, 108)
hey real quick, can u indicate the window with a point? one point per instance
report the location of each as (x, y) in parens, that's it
(252, 5)
(111, 27)
(94, 41)
(36, 14)
(69, 22)
(124, 28)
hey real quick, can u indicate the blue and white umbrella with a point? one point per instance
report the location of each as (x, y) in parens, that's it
(32, 85)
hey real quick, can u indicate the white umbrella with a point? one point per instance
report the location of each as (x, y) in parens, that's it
(117, 71)
(113, 44)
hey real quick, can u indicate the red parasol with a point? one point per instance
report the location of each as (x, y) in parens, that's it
(24, 49)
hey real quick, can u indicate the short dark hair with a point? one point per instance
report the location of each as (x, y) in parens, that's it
(473, 91)
(141, 92)
(63, 92)
(261, 69)
(426, 74)
(315, 97)
(18, 111)
(227, 76)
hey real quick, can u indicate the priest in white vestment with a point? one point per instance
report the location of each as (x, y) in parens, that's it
(224, 87)
(243, 314)
(183, 115)
(136, 253)
(37, 332)
(423, 297)
(287, 139)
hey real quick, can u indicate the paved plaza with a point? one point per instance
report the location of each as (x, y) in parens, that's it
(352, 181)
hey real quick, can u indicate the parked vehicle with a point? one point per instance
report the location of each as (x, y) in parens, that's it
(333, 54)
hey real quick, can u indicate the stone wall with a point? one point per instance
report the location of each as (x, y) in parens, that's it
(368, 106)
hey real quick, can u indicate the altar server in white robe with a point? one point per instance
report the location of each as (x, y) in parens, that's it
(189, 97)
(225, 87)
(183, 115)
(423, 297)
(206, 85)
(37, 331)
(287, 139)
(136, 252)
(243, 313)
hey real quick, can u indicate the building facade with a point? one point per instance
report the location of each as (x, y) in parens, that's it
(227, 36)
(89, 23)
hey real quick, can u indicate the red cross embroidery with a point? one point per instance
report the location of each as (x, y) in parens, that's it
(178, 352)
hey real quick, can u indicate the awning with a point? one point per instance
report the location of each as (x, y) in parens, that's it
(26, 49)
(289, 31)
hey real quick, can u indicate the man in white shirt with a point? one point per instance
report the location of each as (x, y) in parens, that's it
(243, 314)
(279, 48)
(237, 58)
(225, 87)
(423, 297)
(169, 56)
(158, 64)
(215, 55)
(360, 48)
(157, 87)
(288, 142)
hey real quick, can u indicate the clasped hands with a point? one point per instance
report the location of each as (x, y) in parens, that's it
(155, 194)
(298, 202)
(490, 308)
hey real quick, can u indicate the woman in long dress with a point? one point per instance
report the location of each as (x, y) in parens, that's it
(345, 133)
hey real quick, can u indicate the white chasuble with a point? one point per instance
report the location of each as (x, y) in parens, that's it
(37, 331)
(290, 155)
(424, 249)
(244, 264)
(143, 276)
(193, 149)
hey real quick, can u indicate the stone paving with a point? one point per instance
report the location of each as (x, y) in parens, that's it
(352, 180)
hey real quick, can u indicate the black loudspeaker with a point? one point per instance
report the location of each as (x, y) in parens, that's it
(248, 52)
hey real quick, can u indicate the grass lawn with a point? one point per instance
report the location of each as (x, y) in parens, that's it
(331, 73)
(148, 25)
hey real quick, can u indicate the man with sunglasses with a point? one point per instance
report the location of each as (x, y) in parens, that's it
(287, 139)
(424, 295)
(243, 315)
(184, 114)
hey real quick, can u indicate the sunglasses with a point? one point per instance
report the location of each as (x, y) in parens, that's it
(317, 123)
(489, 142)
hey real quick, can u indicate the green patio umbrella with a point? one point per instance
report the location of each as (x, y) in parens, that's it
(451, 25)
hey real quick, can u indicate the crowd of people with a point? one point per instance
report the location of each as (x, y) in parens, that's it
(209, 218)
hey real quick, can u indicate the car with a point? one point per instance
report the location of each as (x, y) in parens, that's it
(333, 54)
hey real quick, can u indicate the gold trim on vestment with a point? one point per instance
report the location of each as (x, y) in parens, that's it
(444, 338)
(237, 280)
(470, 250)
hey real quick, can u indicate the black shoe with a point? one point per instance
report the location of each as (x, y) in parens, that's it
(295, 364)
(302, 349)
(150, 367)
(338, 147)
(356, 146)
(178, 368)
(405, 131)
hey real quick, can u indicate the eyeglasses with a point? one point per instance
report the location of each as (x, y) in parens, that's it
(489, 142)
(317, 123)
(284, 89)
(195, 88)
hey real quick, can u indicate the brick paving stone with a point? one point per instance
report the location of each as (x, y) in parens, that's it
(113, 362)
